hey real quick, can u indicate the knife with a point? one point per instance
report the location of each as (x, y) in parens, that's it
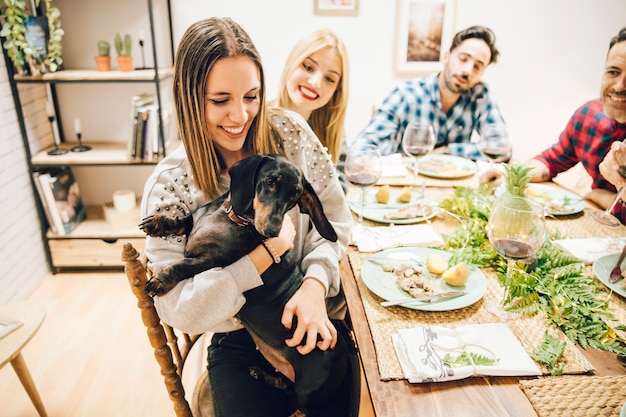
(425, 298)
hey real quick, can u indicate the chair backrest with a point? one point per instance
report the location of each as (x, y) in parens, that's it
(170, 350)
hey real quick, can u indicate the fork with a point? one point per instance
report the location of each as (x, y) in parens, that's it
(616, 273)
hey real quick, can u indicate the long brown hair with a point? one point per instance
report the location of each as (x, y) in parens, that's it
(202, 45)
(328, 121)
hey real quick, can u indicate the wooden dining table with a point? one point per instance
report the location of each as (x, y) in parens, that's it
(478, 395)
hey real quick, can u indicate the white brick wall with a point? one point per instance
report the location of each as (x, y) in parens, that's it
(22, 259)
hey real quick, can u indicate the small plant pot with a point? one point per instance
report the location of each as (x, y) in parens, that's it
(103, 63)
(125, 63)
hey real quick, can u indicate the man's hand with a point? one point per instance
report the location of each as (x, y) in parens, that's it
(612, 161)
(309, 305)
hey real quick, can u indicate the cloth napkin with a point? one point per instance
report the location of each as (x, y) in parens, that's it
(372, 239)
(421, 351)
(393, 166)
(591, 249)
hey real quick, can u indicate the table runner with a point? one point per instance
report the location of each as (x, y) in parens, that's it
(576, 396)
(384, 321)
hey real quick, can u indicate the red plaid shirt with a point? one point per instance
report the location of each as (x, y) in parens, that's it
(587, 138)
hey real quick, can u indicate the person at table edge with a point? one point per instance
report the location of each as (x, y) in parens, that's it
(590, 133)
(455, 101)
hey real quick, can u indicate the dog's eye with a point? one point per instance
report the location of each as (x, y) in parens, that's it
(270, 181)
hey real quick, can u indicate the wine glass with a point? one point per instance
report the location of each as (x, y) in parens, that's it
(418, 140)
(516, 230)
(363, 168)
(495, 144)
(606, 217)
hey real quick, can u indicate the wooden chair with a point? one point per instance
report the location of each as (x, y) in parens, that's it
(171, 347)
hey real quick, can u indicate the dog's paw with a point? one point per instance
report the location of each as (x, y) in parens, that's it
(156, 287)
(152, 225)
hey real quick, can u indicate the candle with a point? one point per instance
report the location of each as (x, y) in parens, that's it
(77, 126)
(50, 108)
(141, 36)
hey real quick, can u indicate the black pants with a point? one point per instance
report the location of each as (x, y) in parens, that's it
(244, 384)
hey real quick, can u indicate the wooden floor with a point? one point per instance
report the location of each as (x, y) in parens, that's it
(92, 356)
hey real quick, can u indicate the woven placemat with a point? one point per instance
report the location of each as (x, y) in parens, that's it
(575, 396)
(385, 321)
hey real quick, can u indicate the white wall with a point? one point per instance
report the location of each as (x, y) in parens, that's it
(552, 52)
(22, 260)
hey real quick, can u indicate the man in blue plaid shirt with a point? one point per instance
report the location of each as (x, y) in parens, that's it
(455, 101)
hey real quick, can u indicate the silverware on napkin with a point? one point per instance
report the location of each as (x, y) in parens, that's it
(616, 273)
(425, 298)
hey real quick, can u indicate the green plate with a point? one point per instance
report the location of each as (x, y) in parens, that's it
(383, 284)
(376, 212)
(603, 267)
(553, 195)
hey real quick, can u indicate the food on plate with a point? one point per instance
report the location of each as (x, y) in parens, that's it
(535, 194)
(436, 165)
(457, 275)
(404, 196)
(383, 194)
(410, 279)
(436, 264)
(410, 212)
(559, 209)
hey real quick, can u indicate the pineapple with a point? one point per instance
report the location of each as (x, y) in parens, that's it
(517, 177)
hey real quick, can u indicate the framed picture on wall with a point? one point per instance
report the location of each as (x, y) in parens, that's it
(424, 30)
(336, 7)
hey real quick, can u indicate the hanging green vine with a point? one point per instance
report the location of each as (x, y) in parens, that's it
(556, 283)
(13, 15)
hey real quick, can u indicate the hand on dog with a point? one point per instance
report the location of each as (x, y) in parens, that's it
(309, 305)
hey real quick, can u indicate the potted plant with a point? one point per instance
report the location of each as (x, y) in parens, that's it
(123, 49)
(103, 59)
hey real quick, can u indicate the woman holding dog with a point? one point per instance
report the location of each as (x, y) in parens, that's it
(219, 95)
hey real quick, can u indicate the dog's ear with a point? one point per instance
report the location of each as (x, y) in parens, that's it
(310, 204)
(243, 182)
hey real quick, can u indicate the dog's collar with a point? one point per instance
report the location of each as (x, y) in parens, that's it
(232, 216)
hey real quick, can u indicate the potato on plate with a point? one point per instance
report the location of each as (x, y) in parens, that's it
(457, 275)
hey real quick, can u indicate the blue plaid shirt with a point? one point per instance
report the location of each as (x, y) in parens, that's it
(419, 98)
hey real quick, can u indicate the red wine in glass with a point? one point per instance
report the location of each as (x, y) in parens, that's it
(513, 249)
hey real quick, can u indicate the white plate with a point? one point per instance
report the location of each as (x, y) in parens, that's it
(603, 267)
(453, 166)
(383, 284)
(623, 412)
(547, 195)
(376, 212)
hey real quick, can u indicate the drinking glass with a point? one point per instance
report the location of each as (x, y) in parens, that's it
(418, 140)
(606, 217)
(363, 168)
(516, 230)
(495, 144)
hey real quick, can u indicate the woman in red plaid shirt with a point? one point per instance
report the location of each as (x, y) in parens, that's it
(590, 133)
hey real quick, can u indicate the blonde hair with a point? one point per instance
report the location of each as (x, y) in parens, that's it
(328, 121)
(202, 45)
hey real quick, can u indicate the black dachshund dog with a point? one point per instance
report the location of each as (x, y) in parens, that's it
(263, 189)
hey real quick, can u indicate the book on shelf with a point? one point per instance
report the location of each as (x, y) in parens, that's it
(137, 102)
(145, 141)
(44, 202)
(60, 195)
